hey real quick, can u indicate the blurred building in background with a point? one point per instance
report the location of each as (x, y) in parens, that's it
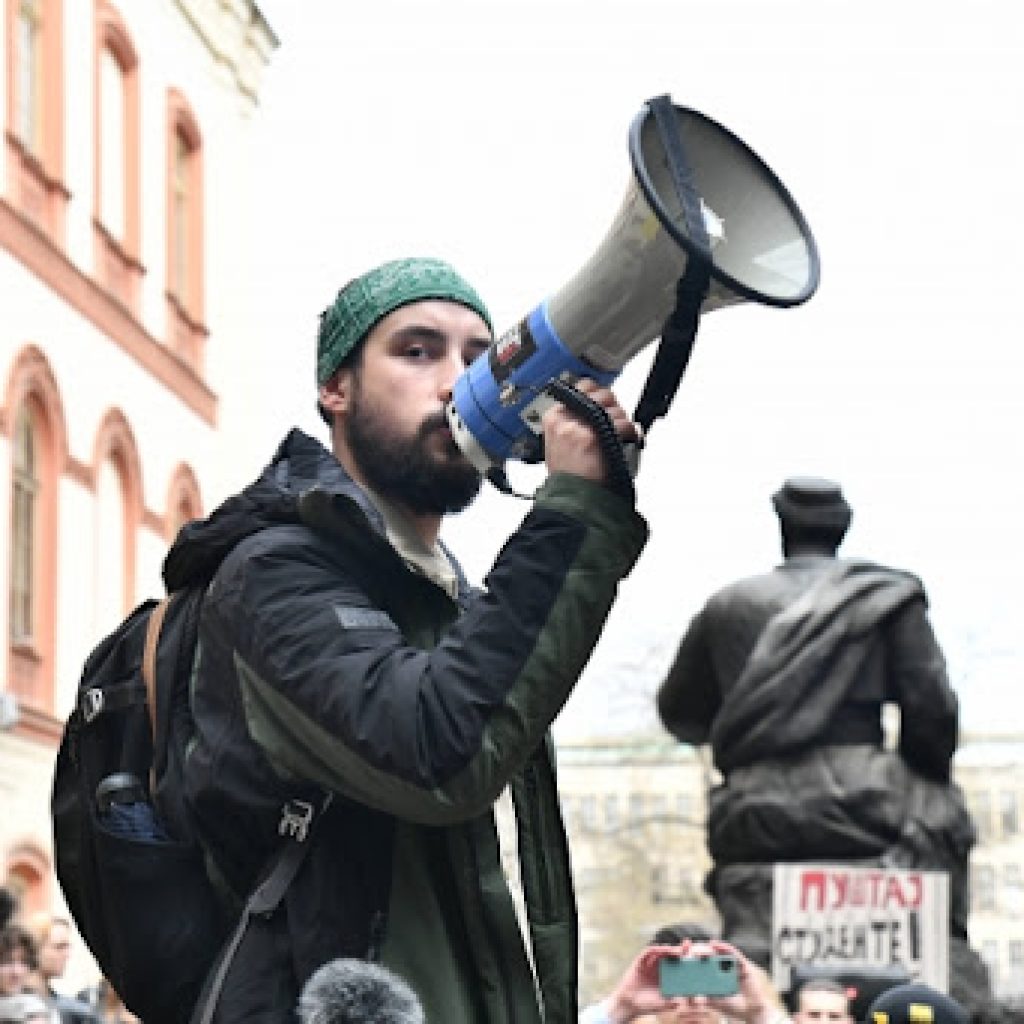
(126, 214)
(635, 811)
(991, 774)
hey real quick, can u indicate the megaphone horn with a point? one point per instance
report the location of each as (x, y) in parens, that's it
(700, 200)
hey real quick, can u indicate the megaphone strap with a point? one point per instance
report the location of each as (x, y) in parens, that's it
(676, 345)
(682, 176)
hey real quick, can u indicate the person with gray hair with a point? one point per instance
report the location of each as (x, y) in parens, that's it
(350, 991)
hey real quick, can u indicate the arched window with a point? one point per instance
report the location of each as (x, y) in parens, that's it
(28, 878)
(35, 112)
(24, 529)
(183, 199)
(112, 144)
(117, 198)
(118, 512)
(183, 501)
(33, 425)
(185, 255)
(111, 545)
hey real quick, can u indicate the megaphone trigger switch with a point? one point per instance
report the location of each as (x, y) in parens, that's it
(528, 448)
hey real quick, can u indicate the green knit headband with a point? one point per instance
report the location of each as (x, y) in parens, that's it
(364, 301)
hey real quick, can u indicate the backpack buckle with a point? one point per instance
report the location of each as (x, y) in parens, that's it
(92, 703)
(296, 816)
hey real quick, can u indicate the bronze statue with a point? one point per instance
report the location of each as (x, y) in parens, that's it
(785, 674)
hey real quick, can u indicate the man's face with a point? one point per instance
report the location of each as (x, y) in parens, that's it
(55, 950)
(393, 400)
(823, 1008)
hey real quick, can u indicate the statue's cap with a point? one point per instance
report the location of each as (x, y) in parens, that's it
(812, 501)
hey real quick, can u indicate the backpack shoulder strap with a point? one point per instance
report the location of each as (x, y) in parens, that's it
(262, 902)
(153, 627)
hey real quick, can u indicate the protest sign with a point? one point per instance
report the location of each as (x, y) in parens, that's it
(860, 918)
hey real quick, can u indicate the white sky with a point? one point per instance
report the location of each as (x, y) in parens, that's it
(492, 133)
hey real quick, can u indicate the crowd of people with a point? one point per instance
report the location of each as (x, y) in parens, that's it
(34, 954)
(638, 997)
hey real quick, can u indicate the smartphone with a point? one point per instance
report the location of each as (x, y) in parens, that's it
(711, 975)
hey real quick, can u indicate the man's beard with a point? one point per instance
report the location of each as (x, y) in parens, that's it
(403, 470)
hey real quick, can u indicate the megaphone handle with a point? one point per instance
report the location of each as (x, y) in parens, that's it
(620, 478)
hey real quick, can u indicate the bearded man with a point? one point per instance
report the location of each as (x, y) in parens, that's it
(342, 652)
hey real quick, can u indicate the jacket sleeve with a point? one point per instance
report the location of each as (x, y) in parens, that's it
(929, 712)
(335, 694)
(689, 698)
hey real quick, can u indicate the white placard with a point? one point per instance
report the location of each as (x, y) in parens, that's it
(858, 917)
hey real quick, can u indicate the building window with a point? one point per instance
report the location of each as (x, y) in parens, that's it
(180, 515)
(29, 61)
(569, 812)
(1015, 965)
(659, 884)
(185, 235)
(117, 192)
(588, 812)
(29, 874)
(1008, 813)
(612, 819)
(983, 887)
(24, 529)
(989, 952)
(37, 446)
(110, 600)
(35, 111)
(659, 808)
(981, 812)
(184, 502)
(112, 144)
(636, 808)
(689, 886)
(684, 807)
(118, 513)
(181, 199)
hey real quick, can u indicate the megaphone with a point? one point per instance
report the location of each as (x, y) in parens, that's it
(699, 198)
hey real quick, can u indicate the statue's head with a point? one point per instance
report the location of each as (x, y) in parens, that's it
(813, 514)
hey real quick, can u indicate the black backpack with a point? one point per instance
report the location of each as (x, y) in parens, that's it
(126, 853)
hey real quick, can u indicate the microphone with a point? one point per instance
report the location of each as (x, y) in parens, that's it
(348, 991)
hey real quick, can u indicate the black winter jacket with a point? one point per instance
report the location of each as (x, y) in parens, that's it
(327, 664)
